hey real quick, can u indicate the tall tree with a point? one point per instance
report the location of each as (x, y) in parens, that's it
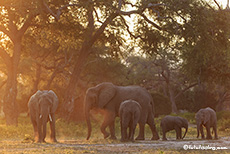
(16, 18)
(100, 18)
(205, 48)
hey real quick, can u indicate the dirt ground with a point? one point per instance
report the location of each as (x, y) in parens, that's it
(221, 145)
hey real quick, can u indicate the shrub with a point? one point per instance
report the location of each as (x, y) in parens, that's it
(161, 103)
(223, 115)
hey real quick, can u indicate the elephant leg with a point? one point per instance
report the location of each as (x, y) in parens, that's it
(123, 134)
(201, 132)
(112, 130)
(163, 132)
(132, 132)
(164, 136)
(124, 128)
(39, 128)
(52, 129)
(44, 132)
(178, 131)
(142, 122)
(215, 131)
(152, 126)
(141, 131)
(109, 118)
(208, 133)
(36, 136)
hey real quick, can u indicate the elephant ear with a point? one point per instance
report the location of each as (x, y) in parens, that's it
(106, 93)
(34, 99)
(54, 100)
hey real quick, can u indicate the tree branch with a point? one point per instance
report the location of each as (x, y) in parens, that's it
(98, 19)
(218, 5)
(26, 25)
(127, 28)
(185, 89)
(102, 28)
(59, 11)
(152, 23)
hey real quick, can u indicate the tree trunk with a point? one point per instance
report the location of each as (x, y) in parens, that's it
(172, 100)
(90, 38)
(68, 104)
(10, 107)
(37, 79)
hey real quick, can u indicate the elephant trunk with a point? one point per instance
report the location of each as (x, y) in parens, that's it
(44, 130)
(87, 117)
(44, 119)
(186, 129)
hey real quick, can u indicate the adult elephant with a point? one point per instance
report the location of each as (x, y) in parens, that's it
(42, 106)
(108, 96)
(206, 117)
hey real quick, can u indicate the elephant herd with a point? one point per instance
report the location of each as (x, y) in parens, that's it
(133, 104)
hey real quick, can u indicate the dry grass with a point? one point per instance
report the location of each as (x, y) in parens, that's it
(71, 137)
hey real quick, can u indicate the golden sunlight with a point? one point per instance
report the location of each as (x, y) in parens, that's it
(222, 3)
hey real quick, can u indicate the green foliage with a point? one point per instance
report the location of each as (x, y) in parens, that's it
(206, 46)
(223, 115)
(162, 104)
(189, 39)
(223, 120)
(224, 125)
(23, 129)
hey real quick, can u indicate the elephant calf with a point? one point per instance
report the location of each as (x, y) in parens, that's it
(42, 106)
(174, 123)
(129, 113)
(206, 117)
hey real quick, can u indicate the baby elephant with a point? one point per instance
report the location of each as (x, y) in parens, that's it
(174, 123)
(206, 117)
(129, 113)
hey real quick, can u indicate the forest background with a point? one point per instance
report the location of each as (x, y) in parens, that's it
(177, 49)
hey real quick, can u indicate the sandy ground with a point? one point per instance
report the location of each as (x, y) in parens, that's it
(170, 144)
(221, 145)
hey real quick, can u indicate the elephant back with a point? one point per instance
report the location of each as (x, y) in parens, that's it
(135, 93)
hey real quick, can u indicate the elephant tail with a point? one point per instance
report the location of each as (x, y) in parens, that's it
(89, 129)
(87, 117)
(186, 129)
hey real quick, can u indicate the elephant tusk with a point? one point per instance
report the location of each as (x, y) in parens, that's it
(50, 118)
(40, 116)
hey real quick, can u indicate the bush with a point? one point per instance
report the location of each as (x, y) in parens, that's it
(223, 120)
(223, 115)
(161, 103)
(187, 115)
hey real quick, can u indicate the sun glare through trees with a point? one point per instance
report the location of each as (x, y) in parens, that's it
(177, 50)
